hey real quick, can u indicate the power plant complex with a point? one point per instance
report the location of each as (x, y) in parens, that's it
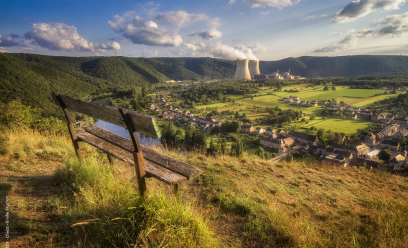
(249, 69)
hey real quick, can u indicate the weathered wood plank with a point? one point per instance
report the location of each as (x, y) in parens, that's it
(143, 123)
(152, 169)
(149, 154)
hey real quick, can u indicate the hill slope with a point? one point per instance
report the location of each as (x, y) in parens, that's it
(345, 66)
(244, 202)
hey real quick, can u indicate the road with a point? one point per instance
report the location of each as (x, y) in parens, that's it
(280, 156)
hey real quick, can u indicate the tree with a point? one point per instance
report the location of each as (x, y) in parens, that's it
(385, 155)
(223, 146)
(333, 87)
(312, 117)
(214, 148)
(338, 138)
(326, 87)
(237, 148)
(260, 152)
(401, 140)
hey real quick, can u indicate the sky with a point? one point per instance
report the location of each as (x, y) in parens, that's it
(267, 30)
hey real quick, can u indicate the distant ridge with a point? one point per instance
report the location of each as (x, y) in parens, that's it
(31, 77)
(343, 66)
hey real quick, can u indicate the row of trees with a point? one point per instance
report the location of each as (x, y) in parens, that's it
(190, 137)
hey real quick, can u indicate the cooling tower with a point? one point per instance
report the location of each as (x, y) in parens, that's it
(253, 68)
(242, 71)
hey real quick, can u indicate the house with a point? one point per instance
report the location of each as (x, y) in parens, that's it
(259, 130)
(371, 139)
(280, 131)
(354, 117)
(374, 117)
(296, 99)
(304, 138)
(371, 154)
(349, 112)
(313, 103)
(167, 115)
(320, 149)
(247, 129)
(338, 157)
(390, 144)
(401, 133)
(357, 151)
(152, 106)
(278, 144)
(400, 121)
(398, 163)
(366, 113)
(185, 113)
(269, 131)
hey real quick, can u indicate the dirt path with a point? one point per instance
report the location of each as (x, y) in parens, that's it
(28, 184)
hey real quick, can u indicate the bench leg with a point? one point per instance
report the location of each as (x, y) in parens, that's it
(140, 172)
(176, 191)
(75, 141)
(110, 159)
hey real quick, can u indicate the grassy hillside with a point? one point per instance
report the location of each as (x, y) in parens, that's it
(236, 202)
(345, 66)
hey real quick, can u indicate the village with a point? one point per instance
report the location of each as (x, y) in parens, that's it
(363, 154)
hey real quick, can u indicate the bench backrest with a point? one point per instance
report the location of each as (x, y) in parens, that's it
(143, 123)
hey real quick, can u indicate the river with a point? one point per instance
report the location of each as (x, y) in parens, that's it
(143, 139)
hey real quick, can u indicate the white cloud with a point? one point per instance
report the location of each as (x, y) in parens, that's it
(232, 2)
(2, 50)
(194, 45)
(264, 12)
(179, 18)
(60, 36)
(221, 50)
(350, 41)
(312, 17)
(360, 8)
(208, 34)
(258, 48)
(394, 25)
(140, 31)
(272, 3)
(391, 26)
(212, 33)
(9, 41)
(149, 53)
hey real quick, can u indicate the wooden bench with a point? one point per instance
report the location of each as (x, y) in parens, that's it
(147, 162)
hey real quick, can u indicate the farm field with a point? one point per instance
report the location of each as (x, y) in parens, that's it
(371, 100)
(270, 98)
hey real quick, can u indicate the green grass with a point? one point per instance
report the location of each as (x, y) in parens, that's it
(369, 101)
(106, 211)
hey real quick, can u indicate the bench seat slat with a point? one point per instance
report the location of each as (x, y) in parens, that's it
(143, 123)
(151, 169)
(149, 154)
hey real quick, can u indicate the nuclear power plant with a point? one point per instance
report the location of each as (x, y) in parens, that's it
(253, 68)
(249, 69)
(242, 71)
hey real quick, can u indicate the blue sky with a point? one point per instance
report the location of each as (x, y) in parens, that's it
(230, 29)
